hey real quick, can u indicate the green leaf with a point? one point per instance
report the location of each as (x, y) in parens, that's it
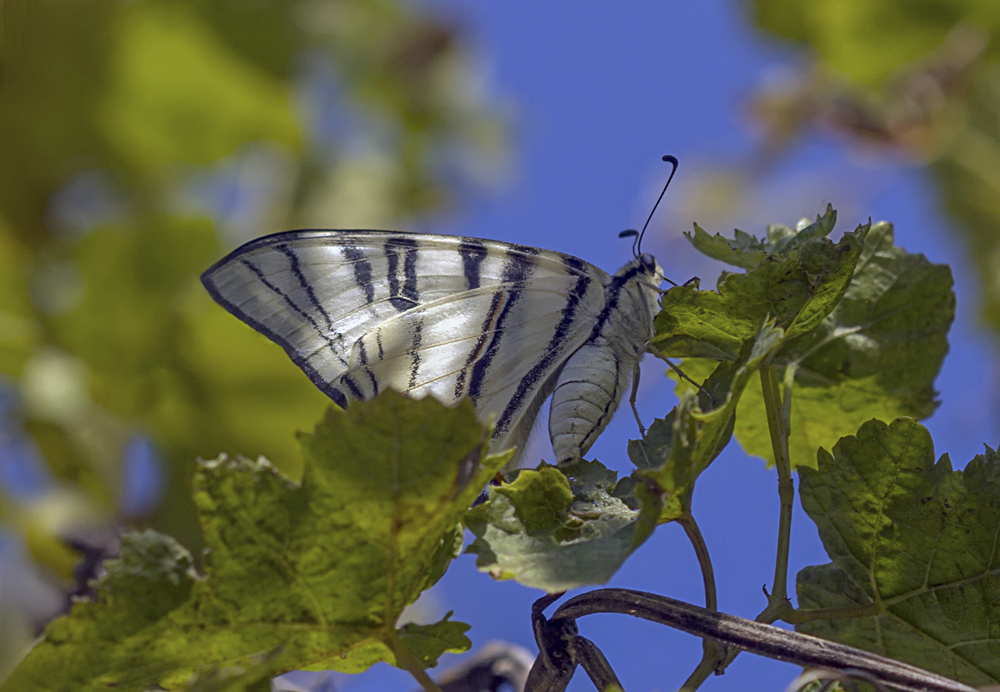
(965, 176)
(746, 252)
(798, 289)
(321, 569)
(695, 324)
(913, 539)
(680, 447)
(783, 239)
(743, 251)
(876, 355)
(253, 677)
(560, 527)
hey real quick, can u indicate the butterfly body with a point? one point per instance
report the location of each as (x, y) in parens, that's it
(502, 324)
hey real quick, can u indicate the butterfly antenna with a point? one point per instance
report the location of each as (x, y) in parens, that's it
(672, 160)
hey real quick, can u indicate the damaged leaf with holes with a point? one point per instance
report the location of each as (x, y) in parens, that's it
(556, 528)
(316, 573)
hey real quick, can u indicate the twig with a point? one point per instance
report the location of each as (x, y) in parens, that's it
(592, 660)
(560, 650)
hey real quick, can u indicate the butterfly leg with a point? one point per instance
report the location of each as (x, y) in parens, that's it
(682, 374)
(632, 398)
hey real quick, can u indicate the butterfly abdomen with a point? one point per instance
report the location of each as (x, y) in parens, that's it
(590, 385)
(587, 394)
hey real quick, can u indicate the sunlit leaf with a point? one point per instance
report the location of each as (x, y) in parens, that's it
(316, 573)
(680, 447)
(798, 290)
(875, 356)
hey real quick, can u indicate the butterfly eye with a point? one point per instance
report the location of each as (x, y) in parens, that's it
(648, 262)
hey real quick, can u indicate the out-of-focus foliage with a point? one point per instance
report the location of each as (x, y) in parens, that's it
(139, 141)
(917, 79)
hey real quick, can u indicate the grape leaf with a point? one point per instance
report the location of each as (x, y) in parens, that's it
(556, 528)
(746, 252)
(320, 568)
(912, 539)
(797, 289)
(876, 355)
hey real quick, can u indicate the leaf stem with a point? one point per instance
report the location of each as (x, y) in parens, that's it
(778, 420)
(408, 662)
(713, 654)
(797, 616)
(705, 668)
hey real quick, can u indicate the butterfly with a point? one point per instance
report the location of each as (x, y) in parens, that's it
(506, 325)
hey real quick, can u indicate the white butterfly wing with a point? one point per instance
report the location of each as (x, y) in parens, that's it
(361, 311)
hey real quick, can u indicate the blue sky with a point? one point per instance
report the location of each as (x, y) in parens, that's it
(598, 96)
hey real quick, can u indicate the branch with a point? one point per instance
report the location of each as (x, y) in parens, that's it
(755, 637)
(561, 650)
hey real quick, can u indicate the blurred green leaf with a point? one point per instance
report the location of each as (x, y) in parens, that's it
(869, 40)
(54, 76)
(968, 178)
(321, 569)
(177, 94)
(19, 334)
(912, 538)
(559, 527)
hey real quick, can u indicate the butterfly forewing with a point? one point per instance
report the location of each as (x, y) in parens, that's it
(362, 311)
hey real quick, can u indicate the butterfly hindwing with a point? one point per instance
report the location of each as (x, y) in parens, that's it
(499, 346)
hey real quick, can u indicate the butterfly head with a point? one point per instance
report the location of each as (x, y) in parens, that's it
(649, 271)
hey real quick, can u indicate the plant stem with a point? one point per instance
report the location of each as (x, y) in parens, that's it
(690, 527)
(713, 654)
(700, 674)
(778, 424)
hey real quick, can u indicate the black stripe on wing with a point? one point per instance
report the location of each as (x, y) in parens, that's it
(296, 267)
(554, 349)
(516, 271)
(362, 271)
(472, 253)
(403, 295)
(613, 295)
